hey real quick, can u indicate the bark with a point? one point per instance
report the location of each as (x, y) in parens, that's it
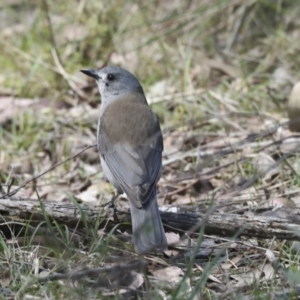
(283, 223)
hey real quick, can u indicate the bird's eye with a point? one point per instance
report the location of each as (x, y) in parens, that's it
(110, 77)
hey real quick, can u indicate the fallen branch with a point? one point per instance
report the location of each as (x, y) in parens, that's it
(285, 225)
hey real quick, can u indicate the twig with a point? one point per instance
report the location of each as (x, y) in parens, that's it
(135, 265)
(55, 53)
(10, 194)
(65, 75)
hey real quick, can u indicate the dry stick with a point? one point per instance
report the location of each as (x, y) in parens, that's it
(56, 55)
(10, 194)
(182, 189)
(197, 226)
(223, 152)
(230, 149)
(135, 265)
(283, 226)
(250, 138)
(230, 241)
(65, 75)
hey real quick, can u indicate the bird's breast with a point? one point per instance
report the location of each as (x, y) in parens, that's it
(129, 122)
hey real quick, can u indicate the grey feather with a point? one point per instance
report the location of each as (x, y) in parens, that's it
(148, 231)
(130, 145)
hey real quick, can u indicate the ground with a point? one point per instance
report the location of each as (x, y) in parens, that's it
(218, 74)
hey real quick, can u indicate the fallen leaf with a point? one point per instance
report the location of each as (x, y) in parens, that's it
(171, 275)
(134, 281)
(265, 164)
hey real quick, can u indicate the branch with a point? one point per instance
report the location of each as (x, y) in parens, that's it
(283, 224)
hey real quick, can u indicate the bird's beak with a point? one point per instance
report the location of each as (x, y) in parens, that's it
(91, 73)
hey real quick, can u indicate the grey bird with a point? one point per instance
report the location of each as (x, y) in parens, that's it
(130, 143)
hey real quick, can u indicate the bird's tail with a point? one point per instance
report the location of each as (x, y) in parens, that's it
(147, 228)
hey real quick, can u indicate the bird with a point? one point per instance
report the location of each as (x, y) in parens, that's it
(130, 144)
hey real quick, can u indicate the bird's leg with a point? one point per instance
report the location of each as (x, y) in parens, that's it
(111, 203)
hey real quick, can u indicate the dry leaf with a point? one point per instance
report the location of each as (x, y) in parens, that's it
(171, 275)
(265, 164)
(281, 201)
(280, 78)
(232, 262)
(89, 195)
(134, 280)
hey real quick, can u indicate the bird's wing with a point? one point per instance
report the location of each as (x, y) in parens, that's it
(131, 146)
(136, 168)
